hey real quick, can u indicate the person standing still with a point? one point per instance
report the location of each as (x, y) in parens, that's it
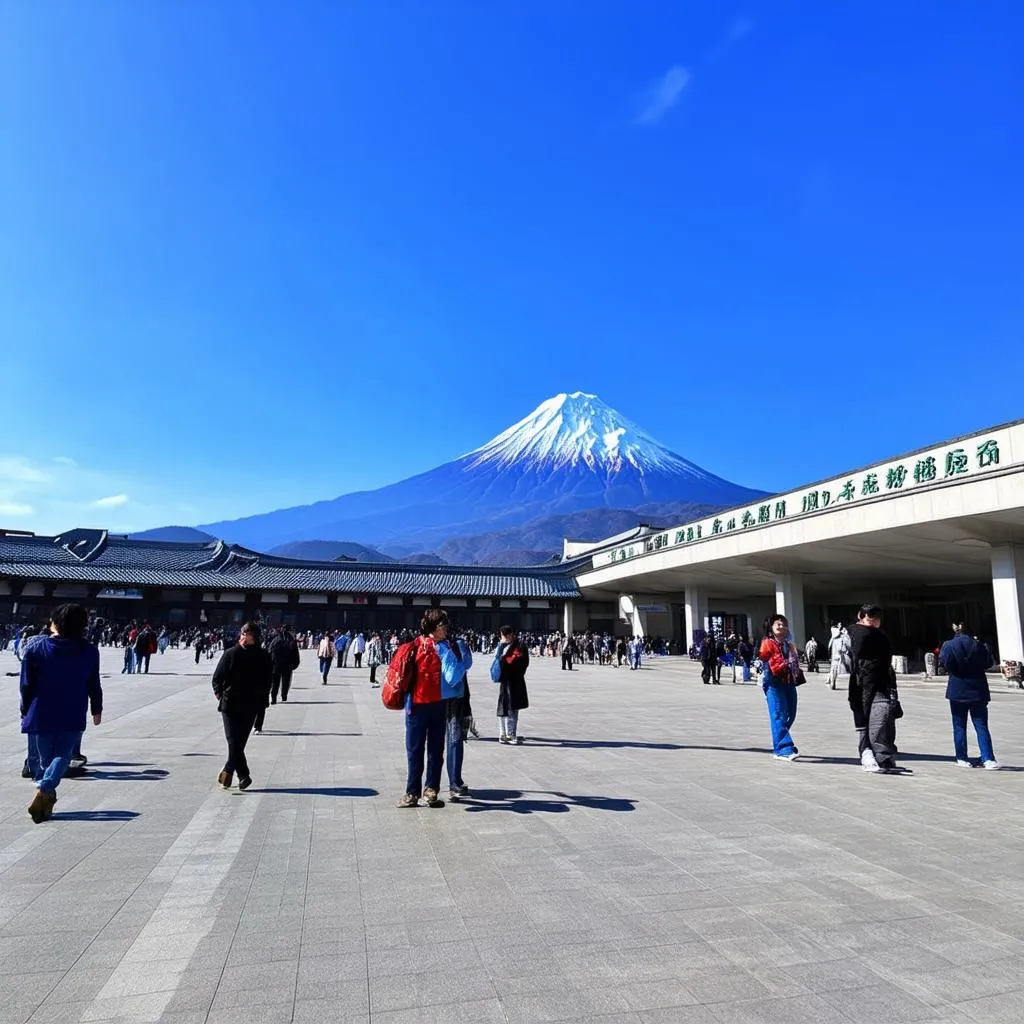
(358, 646)
(374, 657)
(966, 661)
(325, 652)
(780, 674)
(60, 681)
(241, 684)
(513, 659)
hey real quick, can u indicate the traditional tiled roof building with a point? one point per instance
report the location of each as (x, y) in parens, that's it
(220, 583)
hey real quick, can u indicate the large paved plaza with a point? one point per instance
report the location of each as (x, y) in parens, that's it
(641, 858)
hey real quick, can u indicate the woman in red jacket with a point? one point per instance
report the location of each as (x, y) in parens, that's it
(425, 709)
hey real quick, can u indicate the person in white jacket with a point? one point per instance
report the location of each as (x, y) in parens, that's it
(839, 653)
(358, 646)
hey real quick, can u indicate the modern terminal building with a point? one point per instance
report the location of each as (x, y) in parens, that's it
(932, 536)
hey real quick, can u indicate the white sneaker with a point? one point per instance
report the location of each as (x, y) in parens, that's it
(992, 766)
(963, 764)
(785, 757)
(868, 762)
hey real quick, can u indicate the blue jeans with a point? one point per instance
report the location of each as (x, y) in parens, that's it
(325, 668)
(456, 751)
(424, 733)
(54, 750)
(781, 715)
(978, 711)
(32, 758)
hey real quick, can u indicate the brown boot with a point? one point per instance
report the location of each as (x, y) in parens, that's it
(51, 799)
(224, 780)
(40, 808)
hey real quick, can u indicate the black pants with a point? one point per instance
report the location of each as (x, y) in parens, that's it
(340, 653)
(358, 659)
(144, 661)
(237, 727)
(373, 674)
(281, 679)
(199, 651)
(566, 660)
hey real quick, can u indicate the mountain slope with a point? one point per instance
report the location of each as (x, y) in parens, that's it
(328, 551)
(571, 453)
(178, 534)
(537, 541)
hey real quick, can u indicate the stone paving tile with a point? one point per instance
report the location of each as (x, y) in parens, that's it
(604, 871)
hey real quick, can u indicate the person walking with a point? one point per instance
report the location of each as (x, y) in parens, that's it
(811, 654)
(567, 652)
(374, 657)
(241, 684)
(839, 654)
(284, 653)
(358, 647)
(709, 660)
(459, 716)
(872, 692)
(780, 676)
(325, 652)
(145, 648)
(60, 682)
(425, 708)
(966, 661)
(340, 643)
(513, 659)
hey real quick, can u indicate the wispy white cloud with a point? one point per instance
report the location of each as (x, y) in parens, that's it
(16, 469)
(739, 28)
(64, 460)
(15, 508)
(668, 90)
(113, 501)
(664, 95)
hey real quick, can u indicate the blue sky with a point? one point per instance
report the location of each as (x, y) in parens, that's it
(257, 254)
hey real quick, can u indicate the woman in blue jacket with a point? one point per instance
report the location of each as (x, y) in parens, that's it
(968, 693)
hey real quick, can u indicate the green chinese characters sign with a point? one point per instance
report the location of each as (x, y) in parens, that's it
(962, 460)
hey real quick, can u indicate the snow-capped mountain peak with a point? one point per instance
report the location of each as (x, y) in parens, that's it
(570, 429)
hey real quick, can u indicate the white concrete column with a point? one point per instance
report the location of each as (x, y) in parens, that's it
(1008, 591)
(629, 610)
(571, 615)
(789, 600)
(696, 607)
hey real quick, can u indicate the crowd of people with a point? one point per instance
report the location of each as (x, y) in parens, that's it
(864, 653)
(427, 680)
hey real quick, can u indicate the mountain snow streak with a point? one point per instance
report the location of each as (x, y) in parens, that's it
(579, 428)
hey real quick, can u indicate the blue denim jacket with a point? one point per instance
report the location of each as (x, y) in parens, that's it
(453, 670)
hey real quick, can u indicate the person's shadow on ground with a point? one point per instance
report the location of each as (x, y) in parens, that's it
(94, 771)
(520, 803)
(544, 741)
(93, 815)
(318, 791)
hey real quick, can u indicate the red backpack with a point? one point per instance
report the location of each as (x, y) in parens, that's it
(401, 677)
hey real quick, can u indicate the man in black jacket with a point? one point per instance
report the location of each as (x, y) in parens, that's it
(241, 683)
(872, 692)
(284, 652)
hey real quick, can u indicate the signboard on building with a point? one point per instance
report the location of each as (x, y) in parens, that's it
(950, 464)
(119, 594)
